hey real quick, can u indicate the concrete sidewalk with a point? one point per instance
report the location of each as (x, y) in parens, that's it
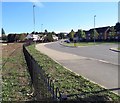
(96, 71)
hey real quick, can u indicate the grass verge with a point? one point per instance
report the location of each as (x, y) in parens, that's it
(70, 83)
(15, 77)
(88, 43)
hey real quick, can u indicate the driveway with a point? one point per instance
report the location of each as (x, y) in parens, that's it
(81, 62)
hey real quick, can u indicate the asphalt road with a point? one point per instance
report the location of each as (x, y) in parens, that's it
(96, 63)
(99, 52)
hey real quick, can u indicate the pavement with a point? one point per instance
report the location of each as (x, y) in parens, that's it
(102, 73)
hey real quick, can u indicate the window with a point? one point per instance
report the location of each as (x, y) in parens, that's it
(118, 32)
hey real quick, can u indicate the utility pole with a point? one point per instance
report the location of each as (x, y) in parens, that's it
(41, 28)
(34, 19)
(94, 28)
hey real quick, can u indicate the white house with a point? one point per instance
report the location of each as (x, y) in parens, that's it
(36, 38)
(55, 37)
(33, 36)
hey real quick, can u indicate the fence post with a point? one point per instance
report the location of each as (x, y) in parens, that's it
(53, 91)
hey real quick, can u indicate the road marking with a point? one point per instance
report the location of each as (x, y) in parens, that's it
(103, 61)
(100, 60)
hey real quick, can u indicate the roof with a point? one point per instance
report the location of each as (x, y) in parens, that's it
(29, 36)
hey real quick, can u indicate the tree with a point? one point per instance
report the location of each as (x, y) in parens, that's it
(11, 37)
(53, 33)
(48, 37)
(112, 33)
(46, 31)
(3, 32)
(81, 34)
(96, 34)
(61, 36)
(106, 34)
(16, 37)
(4, 37)
(22, 37)
(71, 35)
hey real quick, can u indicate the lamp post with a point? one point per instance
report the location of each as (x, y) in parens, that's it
(34, 19)
(94, 28)
(41, 28)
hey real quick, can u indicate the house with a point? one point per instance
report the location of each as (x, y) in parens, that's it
(30, 38)
(88, 35)
(33, 37)
(108, 33)
(36, 38)
(104, 33)
(55, 38)
(117, 28)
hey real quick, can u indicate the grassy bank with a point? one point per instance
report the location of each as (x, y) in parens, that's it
(15, 77)
(68, 82)
(88, 43)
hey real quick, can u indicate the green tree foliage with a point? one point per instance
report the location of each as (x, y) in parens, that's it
(22, 37)
(4, 37)
(46, 31)
(61, 36)
(3, 32)
(53, 33)
(96, 34)
(48, 38)
(16, 37)
(71, 35)
(112, 33)
(83, 35)
(80, 34)
(11, 37)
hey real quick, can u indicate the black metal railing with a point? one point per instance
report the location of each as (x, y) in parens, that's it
(43, 86)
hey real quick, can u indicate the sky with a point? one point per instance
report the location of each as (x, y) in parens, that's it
(17, 17)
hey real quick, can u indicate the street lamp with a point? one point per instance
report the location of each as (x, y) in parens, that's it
(94, 28)
(34, 17)
(41, 27)
(34, 20)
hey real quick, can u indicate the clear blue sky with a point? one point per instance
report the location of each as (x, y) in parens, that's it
(17, 17)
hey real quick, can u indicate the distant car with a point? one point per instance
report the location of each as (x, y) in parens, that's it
(67, 41)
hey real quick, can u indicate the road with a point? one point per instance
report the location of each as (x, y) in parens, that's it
(100, 52)
(96, 63)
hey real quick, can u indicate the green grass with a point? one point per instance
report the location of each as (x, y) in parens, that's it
(15, 78)
(88, 43)
(67, 81)
(118, 48)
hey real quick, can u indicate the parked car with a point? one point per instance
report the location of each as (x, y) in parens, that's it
(67, 41)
